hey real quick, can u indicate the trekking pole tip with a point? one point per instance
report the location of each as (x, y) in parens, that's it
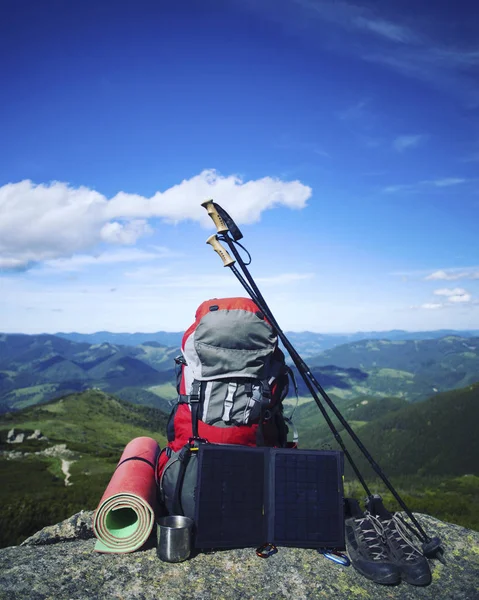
(432, 548)
(222, 253)
(211, 209)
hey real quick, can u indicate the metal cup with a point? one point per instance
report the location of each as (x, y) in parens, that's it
(174, 538)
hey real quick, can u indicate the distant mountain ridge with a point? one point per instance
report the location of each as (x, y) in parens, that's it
(39, 367)
(36, 368)
(411, 369)
(307, 343)
(165, 338)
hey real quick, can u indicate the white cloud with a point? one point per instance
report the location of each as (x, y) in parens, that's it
(460, 298)
(403, 142)
(447, 181)
(358, 18)
(10, 263)
(449, 292)
(431, 306)
(420, 185)
(414, 47)
(51, 221)
(118, 233)
(452, 275)
(386, 29)
(455, 295)
(78, 262)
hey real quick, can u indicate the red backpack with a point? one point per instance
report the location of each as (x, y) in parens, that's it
(231, 382)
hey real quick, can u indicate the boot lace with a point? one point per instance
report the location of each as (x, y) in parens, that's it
(400, 535)
(373, 533)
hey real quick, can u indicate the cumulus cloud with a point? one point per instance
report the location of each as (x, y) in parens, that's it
(453, 275)
(52, 221)
(119, 233)
(460, 298)
(454, 294)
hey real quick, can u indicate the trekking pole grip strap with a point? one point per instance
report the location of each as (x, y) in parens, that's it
(221, 226)
(222, 253)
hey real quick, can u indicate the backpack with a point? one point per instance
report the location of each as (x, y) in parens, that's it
(231, 381)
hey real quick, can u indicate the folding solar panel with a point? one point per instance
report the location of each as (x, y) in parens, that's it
(250, 496)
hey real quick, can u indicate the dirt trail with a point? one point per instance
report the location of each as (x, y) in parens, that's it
(66, 471)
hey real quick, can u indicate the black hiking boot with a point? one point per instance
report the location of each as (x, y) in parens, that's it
(413, 566)
(366, 548)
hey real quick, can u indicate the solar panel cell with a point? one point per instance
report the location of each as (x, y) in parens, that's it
(248, 496)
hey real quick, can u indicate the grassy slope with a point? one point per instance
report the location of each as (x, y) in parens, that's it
(429, 450)
(92, 418)
(96, 427)
(434, 437)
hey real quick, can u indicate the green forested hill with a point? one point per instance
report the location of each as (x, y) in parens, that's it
(92, 419)
(87, 431)
(429, 450)
(434, 437)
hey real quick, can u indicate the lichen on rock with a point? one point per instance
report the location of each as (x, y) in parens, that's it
(59, 562)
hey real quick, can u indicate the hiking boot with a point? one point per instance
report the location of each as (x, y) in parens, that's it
(366, 547)
(413, 565)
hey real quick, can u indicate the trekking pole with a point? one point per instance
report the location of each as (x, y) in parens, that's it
(229, 262)
(222, 218)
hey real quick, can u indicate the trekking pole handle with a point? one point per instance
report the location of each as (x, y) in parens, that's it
(221, 226)
(218, 248)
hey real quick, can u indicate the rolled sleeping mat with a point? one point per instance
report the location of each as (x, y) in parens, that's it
(125, 515)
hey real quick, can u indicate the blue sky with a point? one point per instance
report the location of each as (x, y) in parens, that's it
(343, 137)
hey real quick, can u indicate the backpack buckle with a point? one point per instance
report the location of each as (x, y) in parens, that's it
(194, 443)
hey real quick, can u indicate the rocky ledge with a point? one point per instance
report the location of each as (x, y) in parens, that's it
(59, 563)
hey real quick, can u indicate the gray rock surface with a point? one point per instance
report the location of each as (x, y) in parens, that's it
(59, 563)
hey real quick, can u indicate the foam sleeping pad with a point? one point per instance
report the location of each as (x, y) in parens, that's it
(125, 515)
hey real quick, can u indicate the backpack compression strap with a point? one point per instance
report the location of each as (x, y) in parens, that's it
(195, 399)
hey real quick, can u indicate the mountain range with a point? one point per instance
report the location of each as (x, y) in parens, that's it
(411, 369)
(307, 343)
(36, 368)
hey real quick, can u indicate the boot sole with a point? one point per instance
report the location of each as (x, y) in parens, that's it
(419, 581)
(391, 579)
